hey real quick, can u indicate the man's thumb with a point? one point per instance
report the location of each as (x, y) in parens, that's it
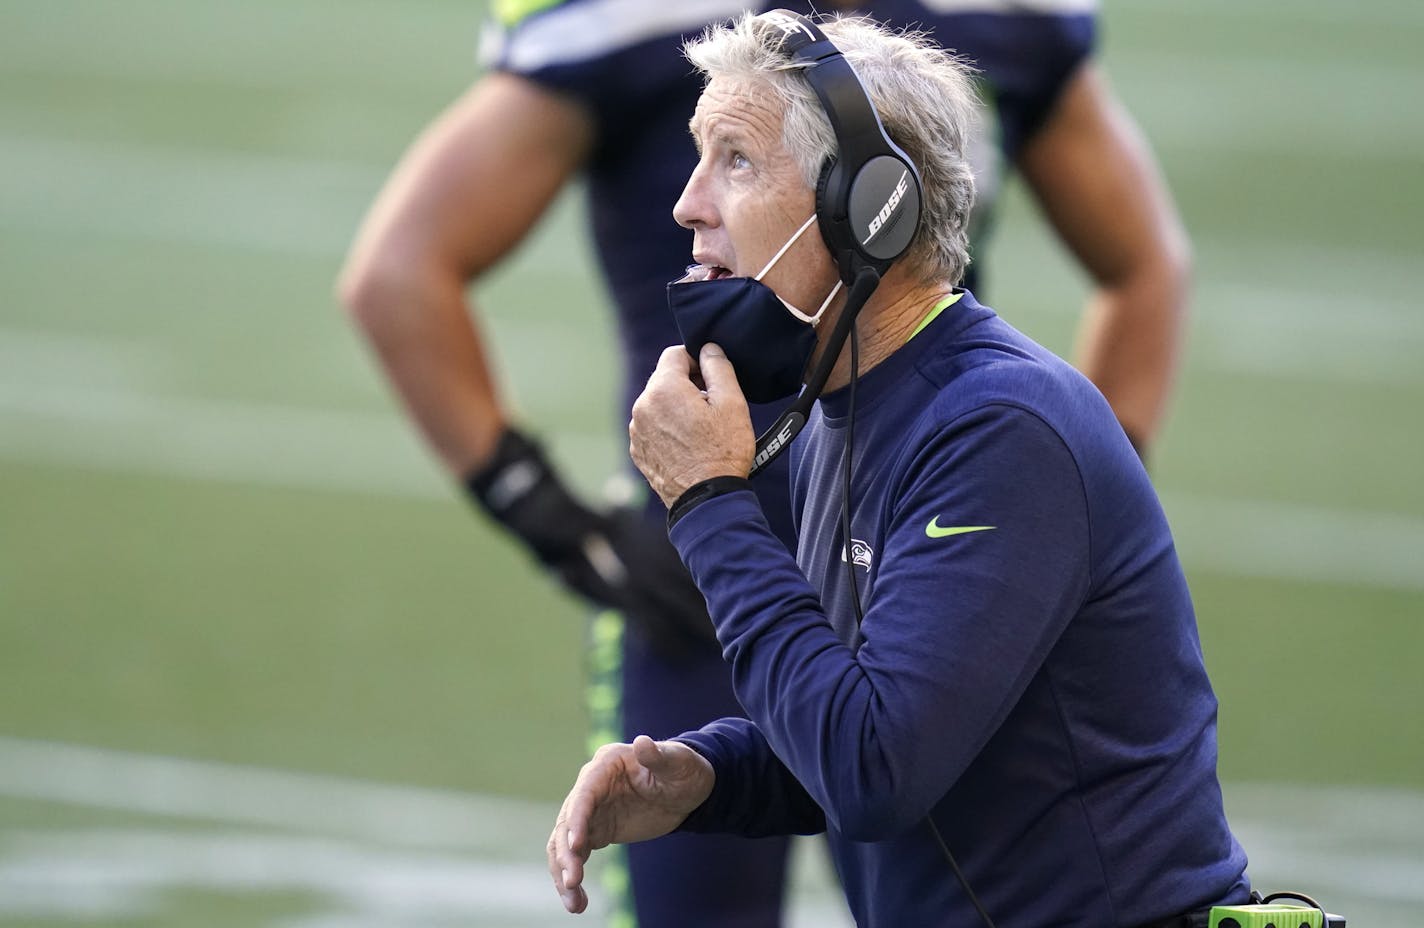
(717, 372)
(650, 755)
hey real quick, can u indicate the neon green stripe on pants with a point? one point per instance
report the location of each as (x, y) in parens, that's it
(604, 697)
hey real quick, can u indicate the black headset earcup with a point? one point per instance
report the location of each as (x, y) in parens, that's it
(822, 207)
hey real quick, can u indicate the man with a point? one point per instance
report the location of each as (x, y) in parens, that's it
(600, 89)
(987, 688)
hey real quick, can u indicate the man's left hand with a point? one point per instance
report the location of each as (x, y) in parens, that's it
(627, 792)
(691, 423)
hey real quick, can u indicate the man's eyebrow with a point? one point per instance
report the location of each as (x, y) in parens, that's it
(730, 139)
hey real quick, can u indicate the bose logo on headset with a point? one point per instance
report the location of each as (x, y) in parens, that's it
(896, 196)
(789, 23)
(778, 441)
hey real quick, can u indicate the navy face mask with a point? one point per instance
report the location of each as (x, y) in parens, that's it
(768, 341)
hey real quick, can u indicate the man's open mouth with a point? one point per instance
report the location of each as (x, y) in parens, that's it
(700, 272)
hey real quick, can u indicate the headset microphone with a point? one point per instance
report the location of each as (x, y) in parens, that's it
(789, 424)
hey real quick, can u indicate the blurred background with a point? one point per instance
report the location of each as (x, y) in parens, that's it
(259, 663)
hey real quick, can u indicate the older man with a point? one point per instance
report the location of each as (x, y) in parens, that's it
(981, 675)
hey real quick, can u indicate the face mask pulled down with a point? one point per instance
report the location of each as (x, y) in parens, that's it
(768, 341)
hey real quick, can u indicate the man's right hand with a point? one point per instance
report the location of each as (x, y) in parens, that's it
(627, 792)
(619, 560)
(691, 423)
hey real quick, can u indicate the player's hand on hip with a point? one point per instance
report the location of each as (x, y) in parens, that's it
(658, 597)
(627, 792)
(691, 423)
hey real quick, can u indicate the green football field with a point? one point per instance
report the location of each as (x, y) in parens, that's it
(259, 664)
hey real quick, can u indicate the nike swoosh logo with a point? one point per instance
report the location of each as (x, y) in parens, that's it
(935, 530)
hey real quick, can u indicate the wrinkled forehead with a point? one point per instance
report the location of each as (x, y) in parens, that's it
(743, 109)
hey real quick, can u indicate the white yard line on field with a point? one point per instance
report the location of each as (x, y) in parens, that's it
(305, 803)
(376, 854)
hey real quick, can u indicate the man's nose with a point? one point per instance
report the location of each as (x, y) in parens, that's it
(694, 208)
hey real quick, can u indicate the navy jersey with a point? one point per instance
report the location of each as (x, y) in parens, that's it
(622, 59)
(1027, 672)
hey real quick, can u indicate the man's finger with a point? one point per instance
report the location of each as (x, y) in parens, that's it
(676, 360)
(566, 868)
(717, 372)
(579, 809)
(573, 842)
(666, 761)
(675, 375)
(650, 754)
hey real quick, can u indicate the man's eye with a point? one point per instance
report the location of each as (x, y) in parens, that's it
(739, 160)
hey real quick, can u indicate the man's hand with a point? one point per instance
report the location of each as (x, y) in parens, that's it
(627, 792)
(618, 559)
(684, 431)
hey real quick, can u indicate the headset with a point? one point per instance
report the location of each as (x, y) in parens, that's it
(867, 202)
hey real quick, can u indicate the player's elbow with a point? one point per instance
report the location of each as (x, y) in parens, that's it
(1175, 264)
(1152, 266)
(1156, 277)
(1162, 267)
(374, 286)
(364, 287)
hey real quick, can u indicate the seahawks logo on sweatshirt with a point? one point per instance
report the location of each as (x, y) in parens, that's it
(860, 553)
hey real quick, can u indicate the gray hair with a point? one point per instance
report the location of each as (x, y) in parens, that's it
(925, 97)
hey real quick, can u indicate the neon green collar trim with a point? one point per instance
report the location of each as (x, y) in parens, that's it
(511, 13)
(940, 307)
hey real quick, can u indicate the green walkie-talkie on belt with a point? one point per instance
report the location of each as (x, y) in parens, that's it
(1266, 912)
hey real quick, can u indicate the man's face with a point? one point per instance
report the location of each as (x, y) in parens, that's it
(746, 197)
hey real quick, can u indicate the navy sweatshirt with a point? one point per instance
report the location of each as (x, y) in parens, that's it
(1027, 674)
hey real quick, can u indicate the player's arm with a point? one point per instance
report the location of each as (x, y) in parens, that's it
(467, 191)
(1099, 184)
